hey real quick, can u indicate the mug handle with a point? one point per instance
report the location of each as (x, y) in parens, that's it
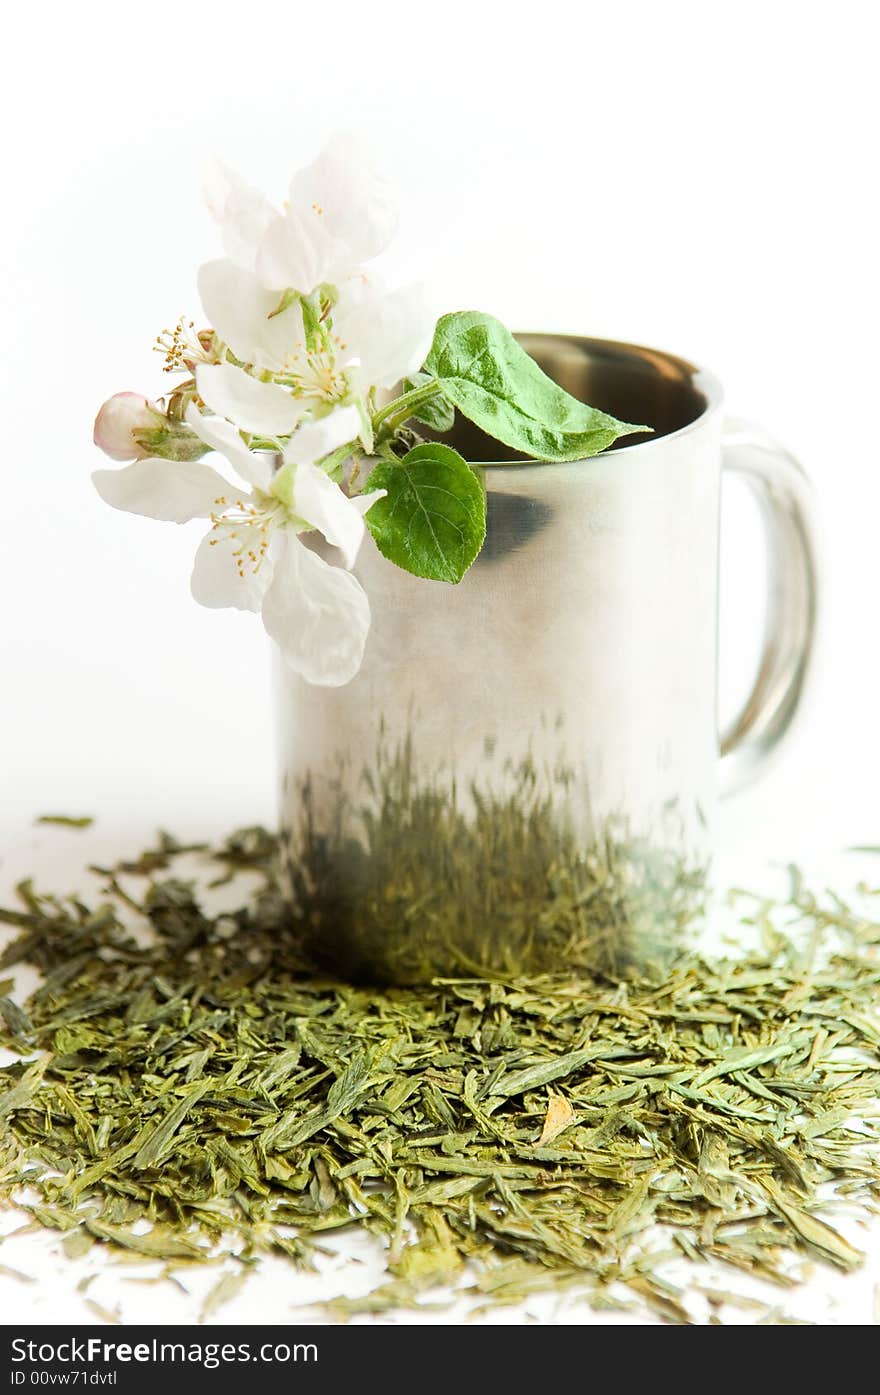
(785, 497)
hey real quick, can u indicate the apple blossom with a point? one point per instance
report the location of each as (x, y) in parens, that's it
(339, 215)
(288, 385)
(294, 303)
(253, 556)
(372, 337)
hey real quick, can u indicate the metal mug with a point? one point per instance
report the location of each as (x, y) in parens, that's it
(523, 775)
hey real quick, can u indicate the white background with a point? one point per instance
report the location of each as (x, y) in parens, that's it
(697, 177)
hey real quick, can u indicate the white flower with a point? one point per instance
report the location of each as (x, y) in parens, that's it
(386, 333)
(376, 338)
(338, 217)
(339, 214)
(244, 214)
(120, 416)
(253, 557)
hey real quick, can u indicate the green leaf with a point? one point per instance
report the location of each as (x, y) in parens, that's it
(493, 381)
(436, 412)
(432, 521)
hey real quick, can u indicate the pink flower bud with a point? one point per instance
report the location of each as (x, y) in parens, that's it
(121, 415)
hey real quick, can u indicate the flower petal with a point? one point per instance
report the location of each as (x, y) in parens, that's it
(315, 439)
(256, 467)
(217, 578)
(322, 504)
(173, 491)
(294, 253)
(242, 212)
(241, 311)
(364, 502)
(343, 194)
(264, 408)
(388, 332)
(339, 215)
(318, 615)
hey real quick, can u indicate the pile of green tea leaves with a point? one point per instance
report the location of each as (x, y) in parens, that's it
(186, 1090)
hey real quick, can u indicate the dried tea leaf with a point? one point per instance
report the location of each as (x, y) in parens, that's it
(67, 820)
(227, 1287)
(666, 1305)
(22, 1094)
(156, 1143)
(533, 1077)
(154, 1244)
(77, 1243)
(17, 1021)
(558, 1117)
(105, 1314)
(817, 1234)
(435, 1259)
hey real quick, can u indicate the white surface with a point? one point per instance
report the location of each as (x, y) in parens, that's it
(698, 177)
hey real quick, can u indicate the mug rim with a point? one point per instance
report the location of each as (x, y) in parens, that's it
(706, 384)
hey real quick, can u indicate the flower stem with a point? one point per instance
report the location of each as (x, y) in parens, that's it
(395, 413)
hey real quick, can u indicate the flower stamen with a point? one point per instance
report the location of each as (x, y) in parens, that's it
(316, 373)
(250, 525)
(183, 347)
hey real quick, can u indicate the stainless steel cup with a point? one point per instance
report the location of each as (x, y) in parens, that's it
(524, 774)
